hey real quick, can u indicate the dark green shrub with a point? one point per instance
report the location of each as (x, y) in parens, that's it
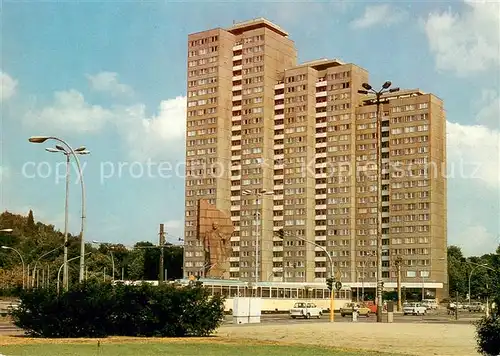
(488, 335)
(96, 309)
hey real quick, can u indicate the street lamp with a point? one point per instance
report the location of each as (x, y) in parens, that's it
(258, 194)
(6, 230)
(16, 251)
(60, 268)
(398, 262)
(368, 89)
(110, 248)
(476, 265)
(42, 139)
(66, 153)
(38, 260)
(281, 234)
(369, 254)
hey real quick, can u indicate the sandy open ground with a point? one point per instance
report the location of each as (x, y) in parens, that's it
(411, 339)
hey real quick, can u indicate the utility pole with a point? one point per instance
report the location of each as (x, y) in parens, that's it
(398, 263)
(162, 255)
(65, 271)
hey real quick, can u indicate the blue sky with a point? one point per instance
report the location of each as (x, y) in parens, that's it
(112, 76)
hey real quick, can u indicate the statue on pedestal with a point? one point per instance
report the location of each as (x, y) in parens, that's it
(214, 230)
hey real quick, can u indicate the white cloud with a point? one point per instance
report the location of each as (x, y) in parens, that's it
(379, 15)
(489, 114)
(174, 224)
(108, 82)
(69, 113)
(147, 137)
(174, 230)
(468, 42)
(476, 240)
(473, 154)
(8, 86)
(155, 137)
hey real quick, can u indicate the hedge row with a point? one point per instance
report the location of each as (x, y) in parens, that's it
(488, 335)
(96, 309)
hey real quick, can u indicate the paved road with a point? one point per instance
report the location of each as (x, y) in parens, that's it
(433, 317)
(430, 318)
(9, 329)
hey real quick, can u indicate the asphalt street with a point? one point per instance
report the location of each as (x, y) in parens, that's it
(431, 317)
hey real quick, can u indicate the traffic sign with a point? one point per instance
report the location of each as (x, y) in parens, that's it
(338, 285)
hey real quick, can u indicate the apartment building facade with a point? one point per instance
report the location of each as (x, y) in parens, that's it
(259, 122)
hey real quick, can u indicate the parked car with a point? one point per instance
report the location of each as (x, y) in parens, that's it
(476, 307)
(430, 304)
(414, 309)
(348, 308)
(305, 310)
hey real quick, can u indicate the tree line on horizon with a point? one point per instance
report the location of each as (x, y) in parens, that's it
(33, 239)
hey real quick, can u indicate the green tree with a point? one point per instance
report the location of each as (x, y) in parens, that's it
(30, 225)
(457, 272)
(135, 265)
(174, 258)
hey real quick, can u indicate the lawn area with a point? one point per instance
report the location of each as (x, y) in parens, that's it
(178, 349)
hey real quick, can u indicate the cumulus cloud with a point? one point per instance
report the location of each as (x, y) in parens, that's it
(489, 114)
(69, 112)
(379, 15)
(473, 154)
(155, 137)
(467, 42)
(8, 86)
(108, 82)
(476, 240)
(174, 230)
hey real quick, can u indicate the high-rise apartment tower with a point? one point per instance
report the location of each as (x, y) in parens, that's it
(279, 145)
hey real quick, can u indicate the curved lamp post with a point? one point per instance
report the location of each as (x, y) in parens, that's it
(478, 265)
(42, 139)
(38, 260)
(281, 234)
(368, 89)
(110, 248)
(60, 268)
(80, 151)
(16, 251)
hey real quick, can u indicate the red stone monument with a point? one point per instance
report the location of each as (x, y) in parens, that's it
(214, 231)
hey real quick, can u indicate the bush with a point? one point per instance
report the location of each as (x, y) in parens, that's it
(96, 309)
(488, 335)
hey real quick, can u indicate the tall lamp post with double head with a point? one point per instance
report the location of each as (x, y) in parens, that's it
(281, 234)
(368, 89)
(70, 150)
(80, 151)
(258, 195)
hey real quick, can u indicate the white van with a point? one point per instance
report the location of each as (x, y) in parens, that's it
(430, 303)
